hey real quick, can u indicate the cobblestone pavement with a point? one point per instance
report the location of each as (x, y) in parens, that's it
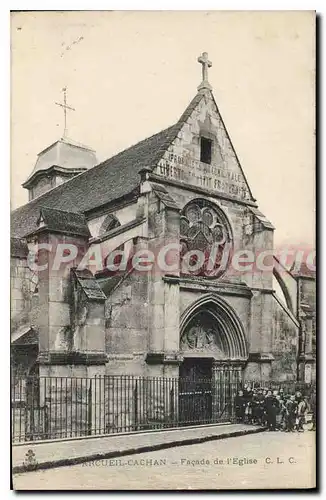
(265, 460)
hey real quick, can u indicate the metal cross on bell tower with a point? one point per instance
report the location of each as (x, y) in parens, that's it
(203, 60)
(65, 107)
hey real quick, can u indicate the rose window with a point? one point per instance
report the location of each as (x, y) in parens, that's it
(205, 233)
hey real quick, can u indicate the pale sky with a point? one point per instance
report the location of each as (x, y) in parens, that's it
(132, 74)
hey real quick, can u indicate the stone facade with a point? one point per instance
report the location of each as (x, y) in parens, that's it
(158, 322)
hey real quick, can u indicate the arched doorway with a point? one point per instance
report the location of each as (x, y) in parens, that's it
(214, 350)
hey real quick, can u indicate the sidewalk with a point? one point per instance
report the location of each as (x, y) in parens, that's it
(44, 455)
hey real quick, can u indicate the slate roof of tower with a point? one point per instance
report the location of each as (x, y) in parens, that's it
(108, 181)
(55, 156)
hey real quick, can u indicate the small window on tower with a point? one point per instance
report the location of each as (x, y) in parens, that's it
(205, 150)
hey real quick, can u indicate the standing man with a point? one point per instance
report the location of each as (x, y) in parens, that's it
(240, 405)
(290, 413)
(280, 413)
(301, 411)
(259, 404)
(271, 410)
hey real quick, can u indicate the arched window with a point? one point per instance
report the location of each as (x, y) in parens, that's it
(205, 228)
(110, 222)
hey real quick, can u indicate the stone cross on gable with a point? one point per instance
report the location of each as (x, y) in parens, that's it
(65, 106)
(203, 60)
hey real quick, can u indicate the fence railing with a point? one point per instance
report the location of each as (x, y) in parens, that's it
(60, 407)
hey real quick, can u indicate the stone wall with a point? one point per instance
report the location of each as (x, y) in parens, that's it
(55, 293)
(143, 309)
(126, 326)
(24, 306)
(307, 303)
(307, 291)
(22, 287)
(285, 345)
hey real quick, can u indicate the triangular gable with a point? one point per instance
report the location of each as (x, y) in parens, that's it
(169, 153)
(181, 159)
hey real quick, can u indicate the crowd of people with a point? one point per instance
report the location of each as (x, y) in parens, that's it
(275, 409)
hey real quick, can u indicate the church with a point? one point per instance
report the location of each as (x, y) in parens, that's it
(177, 195)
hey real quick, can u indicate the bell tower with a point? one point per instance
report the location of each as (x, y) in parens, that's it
(60, 161)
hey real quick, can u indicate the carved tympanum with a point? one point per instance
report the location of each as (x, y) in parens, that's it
(198, 338)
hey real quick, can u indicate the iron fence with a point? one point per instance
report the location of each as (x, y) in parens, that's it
(67, 407)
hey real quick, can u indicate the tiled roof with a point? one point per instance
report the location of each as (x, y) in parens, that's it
(108, 181)
(28, 337)
(66, 222)
(261, 218)
(89, 284)
(65, 155)
(99, 185)
(164, 196)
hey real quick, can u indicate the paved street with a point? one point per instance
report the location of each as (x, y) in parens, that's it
(111, 445)
(264, 460)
